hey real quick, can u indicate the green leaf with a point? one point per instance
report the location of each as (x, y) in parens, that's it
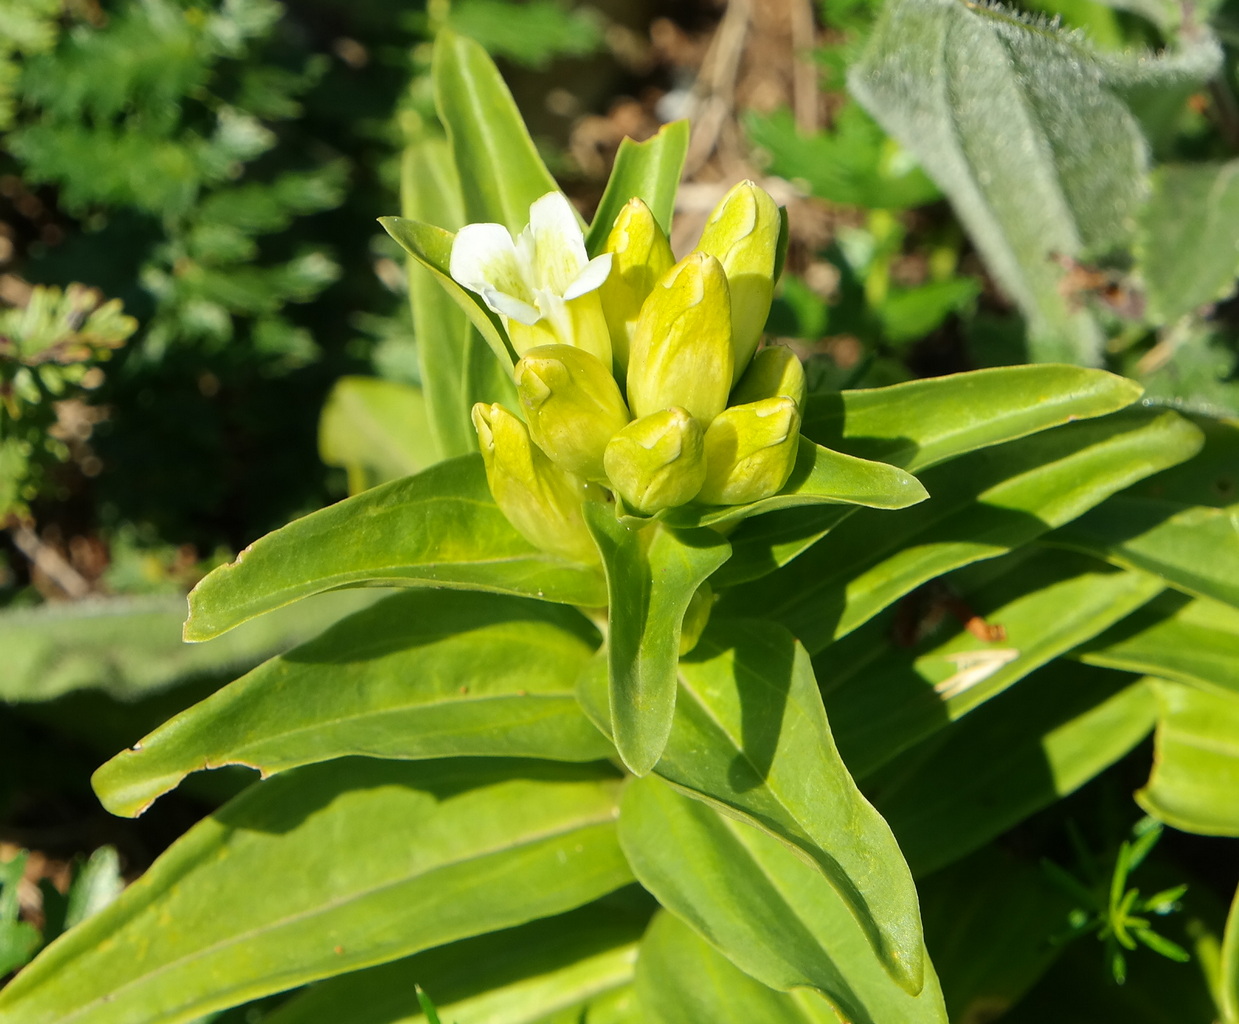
(568, 962)
(1015, 122)
(131, 647)
(18, 939)
(421, 674)
(919, 424)
(1182, 523)
(458, 368)
(987, 921)
(1228, 974)
(819, 477)
(97, 884)
(652, 574)
(751, 738)
(680, 977)
(985, 504)
(883, 699)
(500, 171)
(759, 903)
(1195, 782)
(923, 422)
(329, 869)
(909, 314)
(376, 429)
(1185, 244)
(431, 247)
(1186, 640)
(648, 170)
(530, 34)
(438, 529)
(1194, 548)
(854, 163)
(1020, 752)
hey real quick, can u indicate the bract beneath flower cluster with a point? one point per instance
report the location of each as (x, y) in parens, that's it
(637, 373)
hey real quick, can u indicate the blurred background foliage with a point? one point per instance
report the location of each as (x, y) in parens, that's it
(204, 332)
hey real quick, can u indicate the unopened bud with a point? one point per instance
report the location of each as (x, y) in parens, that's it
(681, 348)
(743, 235)
(774, 371)
(641, 255)
(656, 462)
(749, 451)
(572, 405)
(541, 501)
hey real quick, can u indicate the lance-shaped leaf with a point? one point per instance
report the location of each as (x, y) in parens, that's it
(500, 171)
(751, 738)
(438, 529)
(1195, 782)
(923, 422)
(1012, 756)
(329, 869)
(681, 977)
(652, 574)
(919, 424)
(1187, 640)
(458, 367)
(1182, 523)
(819, 477)
(882, 698)
(986, 504)
(432, 248)
(419, 675)
(765, 909)
(576, 964)
(649, 171)
(1194, 548)
(1015, 122)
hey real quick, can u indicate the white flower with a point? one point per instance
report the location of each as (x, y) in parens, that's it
(543, 283)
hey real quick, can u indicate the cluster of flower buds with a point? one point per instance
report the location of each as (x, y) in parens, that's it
(636, 374)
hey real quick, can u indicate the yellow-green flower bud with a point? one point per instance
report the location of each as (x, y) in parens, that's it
(749, 451)
(656, 462)
(541, 501)
(681, 347)
(774, 371)
(696, 617)
(572, 405)
(743, 235)
(640, 255)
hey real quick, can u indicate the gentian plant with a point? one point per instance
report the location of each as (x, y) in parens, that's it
(695, 703)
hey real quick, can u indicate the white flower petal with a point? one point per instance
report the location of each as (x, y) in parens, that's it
(558, 244)
(484, 258)
(591, 276)
(509, 306)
